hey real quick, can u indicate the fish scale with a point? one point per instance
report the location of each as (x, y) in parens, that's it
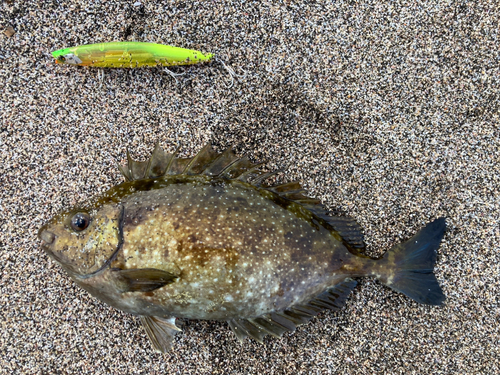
(205, 238)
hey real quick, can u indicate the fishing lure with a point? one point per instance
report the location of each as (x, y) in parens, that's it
(129, 55)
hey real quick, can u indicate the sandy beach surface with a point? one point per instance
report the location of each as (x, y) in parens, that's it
(387, 111)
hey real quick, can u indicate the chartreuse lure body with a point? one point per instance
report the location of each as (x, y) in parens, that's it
(128, 55)
(206, 238)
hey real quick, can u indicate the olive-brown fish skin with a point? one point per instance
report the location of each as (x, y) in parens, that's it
(200, 238)
(235, 252)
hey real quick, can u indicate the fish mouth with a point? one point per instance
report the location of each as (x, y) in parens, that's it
(48, 238)
(48, 242)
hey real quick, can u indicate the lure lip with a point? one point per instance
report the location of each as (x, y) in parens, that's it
(59, 55)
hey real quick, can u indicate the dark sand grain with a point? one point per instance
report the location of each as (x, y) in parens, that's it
(414, 89)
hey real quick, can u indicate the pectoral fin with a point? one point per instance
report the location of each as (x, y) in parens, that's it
(160, 331)
(141, 280)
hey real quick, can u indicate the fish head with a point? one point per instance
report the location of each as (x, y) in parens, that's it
(66, 56)
(83, 241)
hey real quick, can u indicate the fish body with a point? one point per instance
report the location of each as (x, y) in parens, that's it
(204, 238)
(128, 55)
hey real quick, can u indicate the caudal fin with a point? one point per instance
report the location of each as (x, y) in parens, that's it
(410, 265)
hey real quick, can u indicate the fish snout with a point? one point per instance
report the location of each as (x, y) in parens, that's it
(46, 236)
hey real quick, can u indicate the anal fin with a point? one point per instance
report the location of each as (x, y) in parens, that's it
(277, 323)
(335, 297)
(160, 331)
(243, 328)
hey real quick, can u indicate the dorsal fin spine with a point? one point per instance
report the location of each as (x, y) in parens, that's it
(243, 176)
(258, 181)
(129, 164)
(229, 151)
(171, 161)
(195, 158)
(148, 168)
(124, 171)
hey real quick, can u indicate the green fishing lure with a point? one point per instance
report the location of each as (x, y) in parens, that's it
(128, 55)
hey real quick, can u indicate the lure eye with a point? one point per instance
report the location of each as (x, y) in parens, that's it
(80, 221)
(61, 58)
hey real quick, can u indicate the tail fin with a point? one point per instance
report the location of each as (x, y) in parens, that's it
(410, 265)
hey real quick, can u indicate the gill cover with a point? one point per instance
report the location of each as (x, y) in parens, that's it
(84, 241)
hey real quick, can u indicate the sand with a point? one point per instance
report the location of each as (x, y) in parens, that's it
(387, 112)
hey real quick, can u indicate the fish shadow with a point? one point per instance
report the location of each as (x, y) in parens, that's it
(276, 112)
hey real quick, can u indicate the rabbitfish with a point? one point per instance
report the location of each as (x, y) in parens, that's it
(205, 238)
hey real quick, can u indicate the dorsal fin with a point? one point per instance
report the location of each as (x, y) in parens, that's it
(350, 231)
(238, 168)
(159, 162)
(228, 166)
(207, 161)
(156, 166)
(222, 163)
(348, 228)
(278, 323)
(201, 160)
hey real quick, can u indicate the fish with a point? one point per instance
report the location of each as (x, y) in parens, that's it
(206, 238)
(128, 55)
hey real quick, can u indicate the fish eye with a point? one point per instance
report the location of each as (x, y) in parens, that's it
(80, 221)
